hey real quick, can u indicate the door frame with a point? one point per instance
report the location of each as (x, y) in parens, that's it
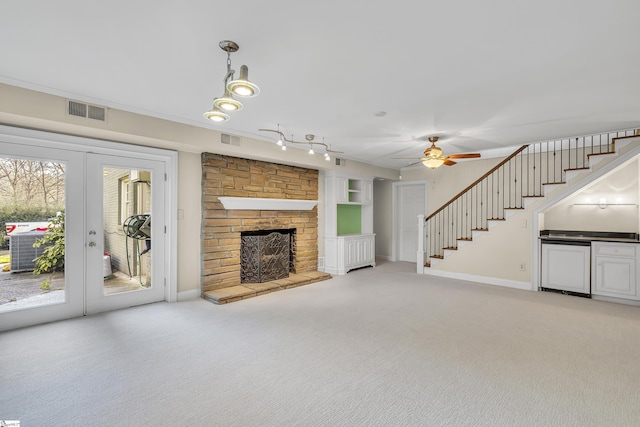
(395, 194)
(39, 139)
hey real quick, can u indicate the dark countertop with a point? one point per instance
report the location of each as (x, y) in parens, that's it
(588, 236)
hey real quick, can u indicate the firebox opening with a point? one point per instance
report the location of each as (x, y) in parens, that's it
(267, 255)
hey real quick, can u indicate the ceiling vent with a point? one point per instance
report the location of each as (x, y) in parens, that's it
(230, 139)
(80, 109)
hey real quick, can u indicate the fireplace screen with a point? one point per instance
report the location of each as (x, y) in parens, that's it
(265, 256)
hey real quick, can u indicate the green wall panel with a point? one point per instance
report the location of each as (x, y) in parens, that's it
(349, 219)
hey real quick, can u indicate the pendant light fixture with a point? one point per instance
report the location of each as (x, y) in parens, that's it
(240, 87)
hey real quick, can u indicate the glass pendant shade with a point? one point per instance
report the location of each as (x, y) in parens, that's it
(242, 86)
(433, 162)
(227, 102)
(216, 115)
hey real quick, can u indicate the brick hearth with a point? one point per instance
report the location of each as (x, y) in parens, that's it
(236, 177)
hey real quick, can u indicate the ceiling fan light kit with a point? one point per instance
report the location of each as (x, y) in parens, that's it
(240, 87)
(434, 158)
(433, 162)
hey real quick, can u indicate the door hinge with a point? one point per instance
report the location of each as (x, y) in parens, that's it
(165, 229)
(165, 176)
(165, 282)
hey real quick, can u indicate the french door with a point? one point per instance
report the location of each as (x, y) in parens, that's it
(114, 205)
(125, 224)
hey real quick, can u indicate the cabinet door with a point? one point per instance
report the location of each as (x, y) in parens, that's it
(615, 277)
(367, 192)
(350, 253)
(342, 190)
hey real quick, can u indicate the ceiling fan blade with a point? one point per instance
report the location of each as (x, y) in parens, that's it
(403, 158)
(463, 156)
(448, 162)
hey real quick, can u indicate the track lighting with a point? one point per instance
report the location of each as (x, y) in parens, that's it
(240, 87)
(282, 140)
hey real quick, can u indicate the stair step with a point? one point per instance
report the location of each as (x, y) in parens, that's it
(465, 239)
(495, 219)
(601, 154)
(577, 169)
(553, 183)
(513, 208)
(480, 229)
(528, 197)
(437, 256)
(451, 248)
(427, 264)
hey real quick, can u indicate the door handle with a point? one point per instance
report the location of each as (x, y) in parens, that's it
(92, 244)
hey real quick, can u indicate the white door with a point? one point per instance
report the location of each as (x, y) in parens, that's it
(25, 298)
(125, 232)
(411, 203)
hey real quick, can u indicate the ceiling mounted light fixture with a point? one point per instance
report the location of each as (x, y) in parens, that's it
(433, 162)
(227, 102)
(215, 115)
(309, 141)
(240, 87)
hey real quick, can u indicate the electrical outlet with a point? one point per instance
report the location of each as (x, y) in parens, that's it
(523, 267)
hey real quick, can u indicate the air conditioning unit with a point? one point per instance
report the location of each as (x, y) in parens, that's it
(22, 251)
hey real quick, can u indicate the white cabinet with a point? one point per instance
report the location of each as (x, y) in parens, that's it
(358, 191)
(615, 267)
(348, 220)
(345, 253)
(566, 268)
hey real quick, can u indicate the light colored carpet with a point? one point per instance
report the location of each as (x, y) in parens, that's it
(377, 347)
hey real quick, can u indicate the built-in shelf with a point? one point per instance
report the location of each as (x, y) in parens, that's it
(262, 204)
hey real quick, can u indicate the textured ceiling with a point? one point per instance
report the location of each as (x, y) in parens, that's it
(482, 74)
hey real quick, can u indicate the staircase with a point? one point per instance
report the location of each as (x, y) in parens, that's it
(528, 173)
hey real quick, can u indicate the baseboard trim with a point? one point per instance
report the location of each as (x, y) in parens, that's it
(481, 279)
(187, 295)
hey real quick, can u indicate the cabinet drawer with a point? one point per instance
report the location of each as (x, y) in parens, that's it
(617, 249)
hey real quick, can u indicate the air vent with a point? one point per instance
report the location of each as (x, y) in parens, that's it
(230, 139)
(87, 111)
(340, 162)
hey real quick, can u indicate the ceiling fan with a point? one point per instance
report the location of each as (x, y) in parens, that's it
(433, 157)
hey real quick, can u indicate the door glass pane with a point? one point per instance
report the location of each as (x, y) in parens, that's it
(127, 230)
(32, 233)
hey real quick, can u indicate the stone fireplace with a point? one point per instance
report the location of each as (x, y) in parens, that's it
(229, 177)
(266, 255)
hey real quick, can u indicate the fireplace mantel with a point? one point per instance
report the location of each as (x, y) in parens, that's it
(262, 204)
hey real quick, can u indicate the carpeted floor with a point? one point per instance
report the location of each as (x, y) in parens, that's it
(377, 347)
